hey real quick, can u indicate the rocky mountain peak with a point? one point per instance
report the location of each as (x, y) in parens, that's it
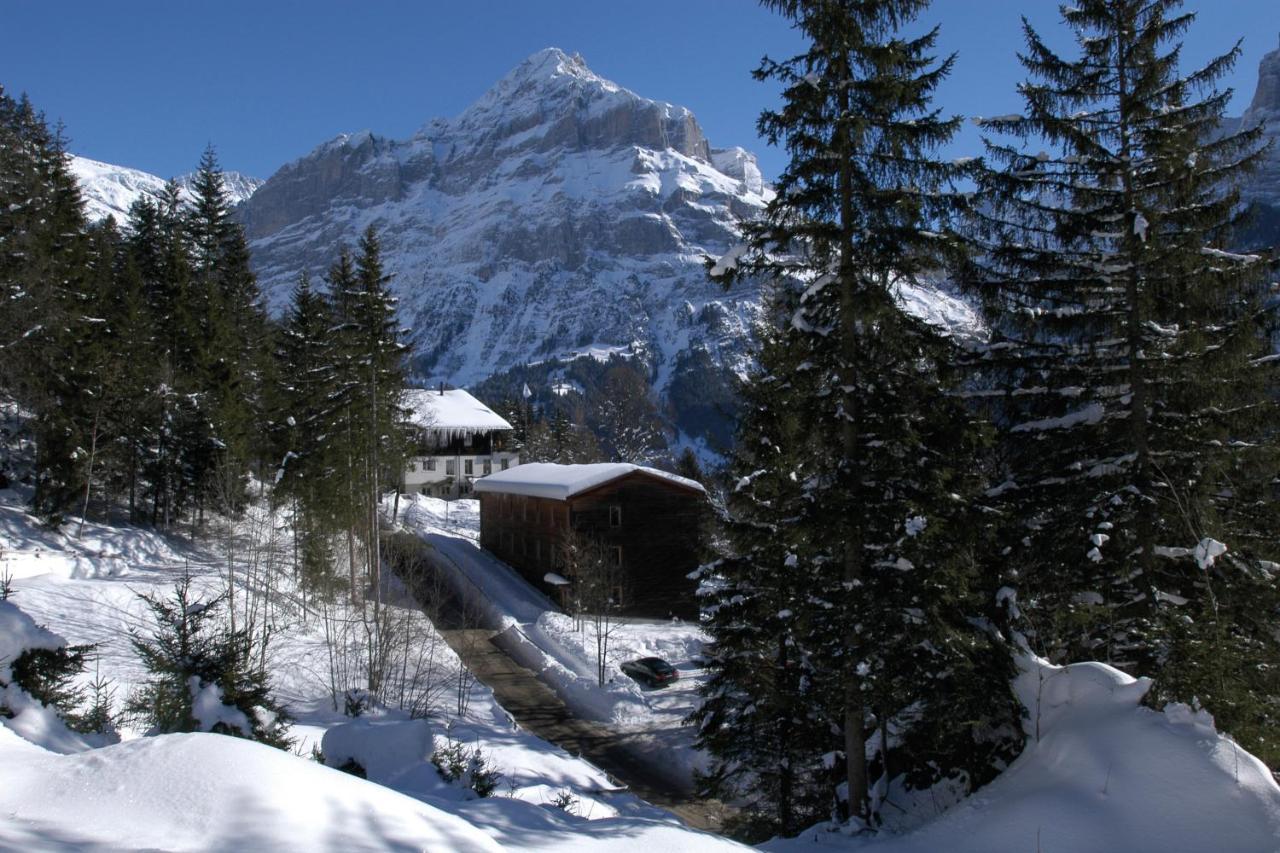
(553, 100)
(1266, 98)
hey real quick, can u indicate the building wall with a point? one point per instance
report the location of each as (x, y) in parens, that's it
(448, 475)
(656, 524)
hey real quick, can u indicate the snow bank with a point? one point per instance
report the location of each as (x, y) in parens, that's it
(386, 749)
(208, 792)
(1101, 773)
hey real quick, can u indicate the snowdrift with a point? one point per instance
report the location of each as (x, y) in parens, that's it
(207, 792)
(1101, 774)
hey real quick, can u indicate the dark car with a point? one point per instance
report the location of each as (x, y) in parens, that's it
(654, 672)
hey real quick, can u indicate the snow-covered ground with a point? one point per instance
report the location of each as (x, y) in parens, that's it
(1100, 772)
(206, 791)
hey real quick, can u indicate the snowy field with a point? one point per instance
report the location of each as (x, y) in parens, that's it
(212, 792)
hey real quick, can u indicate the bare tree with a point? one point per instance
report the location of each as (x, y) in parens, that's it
(597, 583)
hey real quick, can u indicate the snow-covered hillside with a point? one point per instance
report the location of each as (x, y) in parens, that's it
(202, 791)
(110, 190)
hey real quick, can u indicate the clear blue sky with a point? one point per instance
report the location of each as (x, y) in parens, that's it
(148, 84)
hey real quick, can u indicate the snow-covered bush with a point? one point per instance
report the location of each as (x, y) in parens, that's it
(38, 689)
(467, 766)
(204, 677)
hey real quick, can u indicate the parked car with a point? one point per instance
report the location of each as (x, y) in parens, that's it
(654, 672)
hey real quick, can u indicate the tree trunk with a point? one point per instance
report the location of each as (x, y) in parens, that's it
(855, 712)
(88, 480)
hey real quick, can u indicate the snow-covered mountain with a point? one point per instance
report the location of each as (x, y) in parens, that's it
(110, 190)
(558, 214)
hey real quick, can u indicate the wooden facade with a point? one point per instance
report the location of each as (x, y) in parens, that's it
(650, 525)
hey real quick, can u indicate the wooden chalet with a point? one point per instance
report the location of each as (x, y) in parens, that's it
(646, 521)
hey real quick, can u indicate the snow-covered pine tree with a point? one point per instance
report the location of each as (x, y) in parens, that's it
(203, 676)
(764, 717)
(301, 418)
(382, 372)
(171, 434)
(365, 438)
(42, 267)
(858, 211)
(231, 329)
(1132, 371)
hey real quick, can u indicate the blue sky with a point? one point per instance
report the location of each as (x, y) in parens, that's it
(148, 84)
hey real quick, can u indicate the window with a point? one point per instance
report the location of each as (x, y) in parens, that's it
(617, 555)
(488, 467)
(413, 467)
(506, 463)
(431, 463)
(450, 468)
(468, 467)
(615, 516)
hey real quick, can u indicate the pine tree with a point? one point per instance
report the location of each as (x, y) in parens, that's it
(1129, 364)
(42, 267)
(764, 716)
(230, 327)
(861, 208)
(187, 654)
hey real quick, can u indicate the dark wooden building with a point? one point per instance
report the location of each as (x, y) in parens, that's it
(644, 521)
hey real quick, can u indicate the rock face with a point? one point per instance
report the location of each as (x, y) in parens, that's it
(1266, 99)
(110, 190)
(559, 214)
(1264, 186)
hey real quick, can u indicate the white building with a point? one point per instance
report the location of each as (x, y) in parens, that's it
(459, 439)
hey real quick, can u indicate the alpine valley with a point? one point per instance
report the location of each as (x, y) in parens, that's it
(559, 217)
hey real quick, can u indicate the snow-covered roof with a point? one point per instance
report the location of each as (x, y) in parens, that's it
(454, 412)
(561, 482)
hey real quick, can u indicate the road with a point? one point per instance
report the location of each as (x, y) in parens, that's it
(628, 758)
(536, 708)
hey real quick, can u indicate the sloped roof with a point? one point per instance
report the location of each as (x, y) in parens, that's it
(454, 411)
(560, 482)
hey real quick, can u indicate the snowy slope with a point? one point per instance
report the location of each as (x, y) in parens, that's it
(207, 792)
(110, 190)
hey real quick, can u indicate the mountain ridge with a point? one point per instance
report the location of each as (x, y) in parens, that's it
(110, 190)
